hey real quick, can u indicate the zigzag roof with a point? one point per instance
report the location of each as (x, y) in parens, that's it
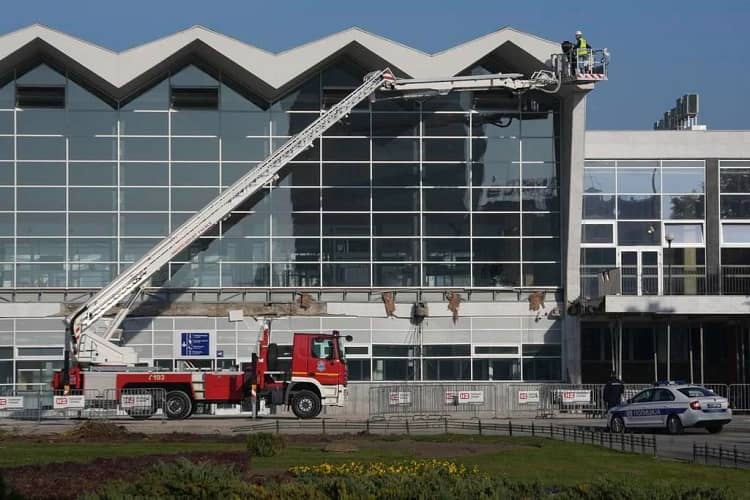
(268, 73)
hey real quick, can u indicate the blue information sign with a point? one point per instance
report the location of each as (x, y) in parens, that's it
(195, 344)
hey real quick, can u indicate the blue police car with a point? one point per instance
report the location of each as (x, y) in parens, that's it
(671, 406)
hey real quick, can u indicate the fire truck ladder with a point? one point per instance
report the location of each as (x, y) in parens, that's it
(99, 349)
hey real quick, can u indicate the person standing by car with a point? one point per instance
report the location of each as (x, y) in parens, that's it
(613, 391)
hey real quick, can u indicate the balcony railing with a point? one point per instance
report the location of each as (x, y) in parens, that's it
(597, 281)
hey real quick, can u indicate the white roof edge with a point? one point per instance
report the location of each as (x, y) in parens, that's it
(275, 69)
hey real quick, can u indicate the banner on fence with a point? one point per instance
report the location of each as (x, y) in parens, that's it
(464, 397)
(575, 396)
(399, 398)
(64, 402)
(526, 397)
(135, 401)
(11, 403)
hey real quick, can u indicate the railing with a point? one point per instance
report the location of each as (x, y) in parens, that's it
(680, 280)
(720, 455)
(592, 66)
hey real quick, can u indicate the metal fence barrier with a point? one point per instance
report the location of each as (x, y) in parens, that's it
(48, 405)
(432, 399)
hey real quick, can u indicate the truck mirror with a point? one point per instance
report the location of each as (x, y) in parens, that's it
(349, 338)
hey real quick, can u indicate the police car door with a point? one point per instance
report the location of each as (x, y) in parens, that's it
(638, 411)
(664, 402)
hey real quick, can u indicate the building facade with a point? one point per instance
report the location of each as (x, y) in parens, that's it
(492, 198)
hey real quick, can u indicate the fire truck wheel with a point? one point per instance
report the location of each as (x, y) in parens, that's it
(178, 405)
(306, 404)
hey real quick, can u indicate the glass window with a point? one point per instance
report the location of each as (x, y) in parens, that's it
(40, 121)
(346, 199)
(599, 180)
(734, 180)
(41, 224)
(49, 174)
(153, 224)
(343, 224)
(447, 369)
(446, 275)
(639, 233)
(501, 224)
(93, 148)
(295, 224)
(541, 249)
(344, 275)
(195, 122)
(195, 149)
(496, 349)
(346, 174)
(195, 174)
(41, 199)
(597, 233)
(445, 200)
(497, 249)
(598, 207)
(685, 233)
(40, 250)
(446, 225)
(446, 124)
(735, 206)
(144, 149)
(450, 249)
(394, 224)
(736, 233)
(244, 124)
(351, 249)
(444, 175)
(192, 199)
(497, 369)
(497, 200)
(384, 174)
(92, 249)
(638, 180)
(254, 275)
(144, 199)
(92, 199)
(297, 249)
(346, 149)
(535, 274)
(683, 207)
(541, 224)
(144, 174)
(391, 249)
(136, 123)
(682, 180)
(92, 174)
(246, 249)
(401, 275)
(296, 275)
(495, 174)
(41, 148)
(638, 207)
(392, 200)
(497, 275)
(395, 124)
(542, 369)
(395, 150)
(92, 224)
(90, 123)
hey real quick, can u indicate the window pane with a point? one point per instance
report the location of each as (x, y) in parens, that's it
(444, 175)
(92, 250)
(93, 148)
(144, 199)
(92, 199)
(295, 224)
(541, 224)
(395, 124)
(346, 199)
(450, 275)
(392, 249)
(41, 148)
(345, 224)
(638, 207)
(541, 274)
(195, 174)
(597, 233)
(395, 224)
(446, 225)
(346, 174)
(41, 250)
(296, 275)
(497, 200)
(685, 233)
(497, 369)
(385, 174)
(346, 149)
(192, 199)
(195, 149)
(497, 275)
(541, 369)
(351, 249)
(37, 199)
(40, 121)
(497, 249)
(195, 122)
(296, 249)
(41, 173)
(539, 150)
(388, 200)
(638, 180)
(599, 180)
(395, 149)
(496, 224)
(682, 180)
(447, 369)
(144, 174)
(144, 224)
(734, 180)
(346, 275)
(598, 207)
(134, 123)
(144, 148)
(401, 275)
(683, 207)
(445, 200)
(495, 174)
(90, 123)
(735, 206)
(446, 124)
(41, 224)
(539, 174)
(639, 233)
(92, 174)
(451, 250)
(541, 249)
(245, 275)
(736, 233)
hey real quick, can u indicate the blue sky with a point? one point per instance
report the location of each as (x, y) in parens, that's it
(660, 49)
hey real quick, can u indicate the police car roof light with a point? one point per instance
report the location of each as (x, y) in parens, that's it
(669, 382)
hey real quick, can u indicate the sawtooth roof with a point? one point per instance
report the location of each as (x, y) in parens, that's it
(269, 74)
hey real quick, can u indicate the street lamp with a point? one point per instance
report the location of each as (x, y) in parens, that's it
(669, 237)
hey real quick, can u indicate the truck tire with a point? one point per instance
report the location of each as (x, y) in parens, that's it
(306, 404)
(178, 405)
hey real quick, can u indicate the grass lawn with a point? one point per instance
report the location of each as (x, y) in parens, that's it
(28, 453)
(519, 458)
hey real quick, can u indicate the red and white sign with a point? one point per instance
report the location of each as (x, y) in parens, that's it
(464, 397)
(135, 401)
(526, 397)
(64, 402)
(399, 398)
(580, 396)
(11, 403)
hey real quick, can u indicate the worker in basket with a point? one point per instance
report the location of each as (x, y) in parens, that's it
(582, 53)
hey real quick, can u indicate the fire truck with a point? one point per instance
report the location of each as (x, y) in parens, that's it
(97, 363)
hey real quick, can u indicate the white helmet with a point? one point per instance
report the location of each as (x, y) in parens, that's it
(578, 33)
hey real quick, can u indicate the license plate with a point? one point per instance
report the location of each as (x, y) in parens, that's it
(714, 405)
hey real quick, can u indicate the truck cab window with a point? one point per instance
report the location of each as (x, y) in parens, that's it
(322, 348)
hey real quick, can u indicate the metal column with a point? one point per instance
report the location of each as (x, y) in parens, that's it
(669, 349)
(701, 325)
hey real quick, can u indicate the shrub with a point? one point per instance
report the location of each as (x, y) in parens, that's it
(7, 492)
(181, 479)
(264, 444)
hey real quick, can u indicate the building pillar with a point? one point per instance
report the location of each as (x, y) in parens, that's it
(572, 156)
(713, 220)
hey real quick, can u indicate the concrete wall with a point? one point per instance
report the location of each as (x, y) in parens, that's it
(668, 144)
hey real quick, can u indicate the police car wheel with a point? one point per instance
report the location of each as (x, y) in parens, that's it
(617, 425)
(674, 425)
(714, 428)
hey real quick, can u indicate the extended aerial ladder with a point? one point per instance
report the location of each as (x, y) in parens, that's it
(99, 349)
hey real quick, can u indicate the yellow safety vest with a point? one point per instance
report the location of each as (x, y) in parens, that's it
(583, 48)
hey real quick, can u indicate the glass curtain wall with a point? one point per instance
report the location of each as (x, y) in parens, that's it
(455, 191)
(629, 209)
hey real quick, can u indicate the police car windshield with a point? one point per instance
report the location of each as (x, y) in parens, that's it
(696, 392)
